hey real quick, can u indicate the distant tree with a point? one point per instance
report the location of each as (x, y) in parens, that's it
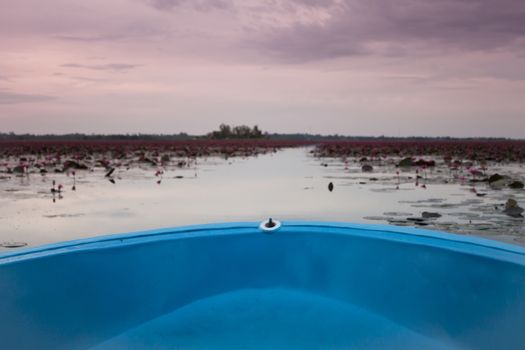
(256, 133)
(225, 131)
(237, 132)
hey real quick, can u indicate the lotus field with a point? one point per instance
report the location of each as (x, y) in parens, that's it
(78, 188)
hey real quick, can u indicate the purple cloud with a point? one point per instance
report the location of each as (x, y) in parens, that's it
(109, 67)
(92, 38)
(15, 98)
(315, 3)
(403, 27)
(90, 80)
(201, 5)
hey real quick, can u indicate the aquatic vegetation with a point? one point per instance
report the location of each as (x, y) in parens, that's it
(516, 185)
(71, 164)
(488, 172)
(43, 157)
(454, 152)
(406, 162)
(469, 194)
(428, 215)
(367, 168)
(12, 244)
(513, 209)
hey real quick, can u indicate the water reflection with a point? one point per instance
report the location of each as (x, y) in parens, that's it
(288, 185)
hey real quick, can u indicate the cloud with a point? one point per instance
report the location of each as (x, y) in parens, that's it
(166, 4)
(91, 80)
(109, 67)
(15, 98)
(92, 38)
(201, 5)
(404, 27)
(315, 3)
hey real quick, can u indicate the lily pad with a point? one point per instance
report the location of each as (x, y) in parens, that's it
(406, 162)
(495, 177)
(430, 215)
(516, 185)
(512, 209)
(367, 168)
(13, 244)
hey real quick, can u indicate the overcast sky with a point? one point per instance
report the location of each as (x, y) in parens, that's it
(368, 67)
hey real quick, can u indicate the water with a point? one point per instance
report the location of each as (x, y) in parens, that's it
(288, 185)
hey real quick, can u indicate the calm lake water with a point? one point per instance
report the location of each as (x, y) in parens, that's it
(288, 185)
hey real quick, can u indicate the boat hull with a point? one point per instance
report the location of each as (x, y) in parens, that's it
(304, 285)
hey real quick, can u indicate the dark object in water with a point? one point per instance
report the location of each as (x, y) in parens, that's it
(430, 215)
(144, 159)
(19, 169)
(56, 189)
(108, 174)
(416, 219)
(367, 168)
(516, 185)
(513, 209)
(409, 162)
(330, 187)
(495, 177)
(422, 162)
(397, 222)
(421, 223)
(112, 180)
(13, 244)
(406, 162)
(71, 164)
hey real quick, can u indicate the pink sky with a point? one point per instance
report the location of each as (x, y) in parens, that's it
(399, 68)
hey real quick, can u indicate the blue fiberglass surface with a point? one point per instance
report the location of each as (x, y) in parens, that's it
(225, 286)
